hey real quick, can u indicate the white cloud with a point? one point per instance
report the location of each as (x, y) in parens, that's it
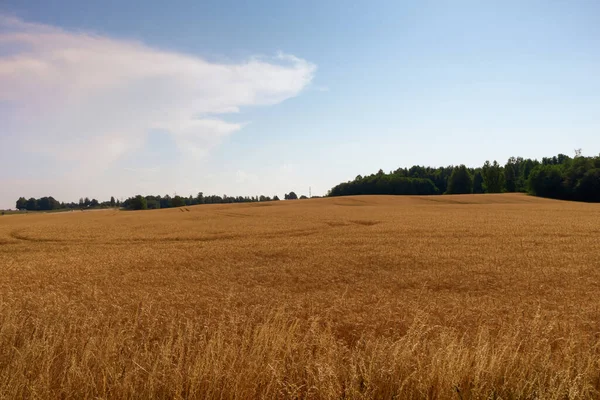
(83, 101)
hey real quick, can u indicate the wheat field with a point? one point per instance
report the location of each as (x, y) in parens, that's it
(450, 297)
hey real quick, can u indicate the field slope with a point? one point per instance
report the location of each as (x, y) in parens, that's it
(474, 296)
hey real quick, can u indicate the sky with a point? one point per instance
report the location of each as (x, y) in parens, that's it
(115, 98)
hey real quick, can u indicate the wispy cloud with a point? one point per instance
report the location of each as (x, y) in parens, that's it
(88, 100)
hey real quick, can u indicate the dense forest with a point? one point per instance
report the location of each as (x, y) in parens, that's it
(559, 177)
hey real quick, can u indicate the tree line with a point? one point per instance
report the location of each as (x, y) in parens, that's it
(558, 177)
(140, 202)
(50, 203)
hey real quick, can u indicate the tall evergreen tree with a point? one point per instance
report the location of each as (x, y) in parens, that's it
(460, 181)
(510, 177)
(478, 182)
(493, 177)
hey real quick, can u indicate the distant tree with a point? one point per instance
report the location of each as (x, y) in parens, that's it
(138, 203)
(200, 198)
(178, 201)
(31, 204)
(152, 203)
(303, 197)
(55, 204)
(291, 196)
(510, 177)
(562, 159)
(21, 203)
(460, 181)
(275, 198)
(588, 187)
(546, 181)
(86, 202)
(112, 201)
(94, 203)
(493, 177)
(567, 178)
(43, 204)
(165, 202)
(524, 171)
(478, 182)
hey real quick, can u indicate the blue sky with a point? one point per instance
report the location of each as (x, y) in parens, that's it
(269, 96)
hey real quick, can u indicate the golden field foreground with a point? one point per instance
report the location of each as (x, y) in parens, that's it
(476, 296)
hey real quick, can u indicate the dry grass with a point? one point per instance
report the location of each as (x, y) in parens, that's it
(486, 296)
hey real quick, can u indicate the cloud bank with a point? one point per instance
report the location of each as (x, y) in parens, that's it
(81, 101)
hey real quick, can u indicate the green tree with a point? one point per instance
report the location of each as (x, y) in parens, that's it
(177, 201)
(478, 182)
(460, 181)
(493, 177)
(112, 201)
(43, 204)
(165, 202)
(275, 198)
(152, 203)
(510, 177)
(546, 181)
(588, 187)
(291, 196)
(21, 203)
(138, 203)
(31, 204)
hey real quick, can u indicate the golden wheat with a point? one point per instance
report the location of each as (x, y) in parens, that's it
(483, 296)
